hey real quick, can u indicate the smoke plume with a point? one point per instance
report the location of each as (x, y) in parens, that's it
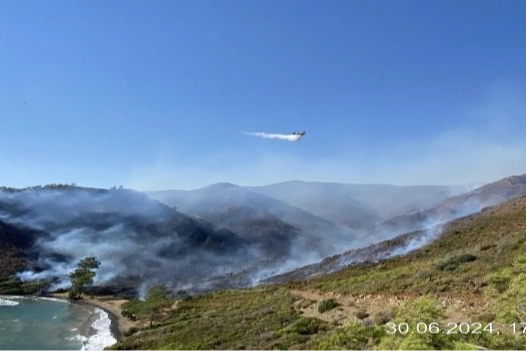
(141, 242)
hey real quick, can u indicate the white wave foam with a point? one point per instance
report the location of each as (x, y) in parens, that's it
(8, 302)
(102, 337)
(12, 297)
(9, 299)
(83, 339)
(54, 299)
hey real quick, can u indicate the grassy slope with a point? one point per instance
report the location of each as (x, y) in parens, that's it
(494, 237)
(476, 272)
(235, 319)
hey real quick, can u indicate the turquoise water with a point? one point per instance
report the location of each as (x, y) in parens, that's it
(30, 323)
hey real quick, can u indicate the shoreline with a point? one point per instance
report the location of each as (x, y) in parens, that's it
(114, 320)
(104, 327)
(119, 324)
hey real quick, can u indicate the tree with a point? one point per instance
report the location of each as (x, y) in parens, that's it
(83, 276)
(158, 298)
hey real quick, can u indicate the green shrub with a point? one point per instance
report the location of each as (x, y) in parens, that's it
(305, 326)
(131, 331)
(485, 317)
(454, 262)
(423, 309)
(512, 301)
(360, 314)
(327, 305)
(382, 317)
(355, 336)
(500, 283)
(278, 346)
(462, 345)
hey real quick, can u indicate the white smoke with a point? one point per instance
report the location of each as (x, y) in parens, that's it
(288, 137)
(134, 237)
(301, 255)
(430, 234)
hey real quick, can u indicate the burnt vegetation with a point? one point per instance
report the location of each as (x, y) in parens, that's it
(478, 261)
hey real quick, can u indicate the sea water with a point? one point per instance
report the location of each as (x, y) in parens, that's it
(28, 323)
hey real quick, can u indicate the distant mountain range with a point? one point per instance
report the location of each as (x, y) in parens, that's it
(453, 207)
(258, 217)
(412, 231)
(359, 205)
(353, 205)
(223, 235)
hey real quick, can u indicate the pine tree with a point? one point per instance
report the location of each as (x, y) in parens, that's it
(83, 276)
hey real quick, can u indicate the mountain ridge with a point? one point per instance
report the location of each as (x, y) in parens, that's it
(232, 206)
(417, 229)
(375, 201)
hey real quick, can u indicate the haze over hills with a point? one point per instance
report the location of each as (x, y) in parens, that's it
(240, 238)
(324, 200)
(251, 214)
(412, 231)
(138, 240)
(219, 236)
(358, 205)
(141, 241)
(454, 207)
(473, 273)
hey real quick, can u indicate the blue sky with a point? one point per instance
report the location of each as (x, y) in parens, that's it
(154, 95)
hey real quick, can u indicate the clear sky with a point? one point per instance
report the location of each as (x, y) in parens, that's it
(155, 94)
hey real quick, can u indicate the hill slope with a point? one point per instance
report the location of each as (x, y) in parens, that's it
(138, 240)
(475, 273)
(454, 207)
(253, 215)
(357, 205)
(13, 245)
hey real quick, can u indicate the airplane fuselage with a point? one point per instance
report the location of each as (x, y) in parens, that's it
(298, 135)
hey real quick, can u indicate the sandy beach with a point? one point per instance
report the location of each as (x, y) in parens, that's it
(119, 324)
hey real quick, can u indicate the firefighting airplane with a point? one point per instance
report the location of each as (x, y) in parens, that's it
(298, 135)
(295, 136)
